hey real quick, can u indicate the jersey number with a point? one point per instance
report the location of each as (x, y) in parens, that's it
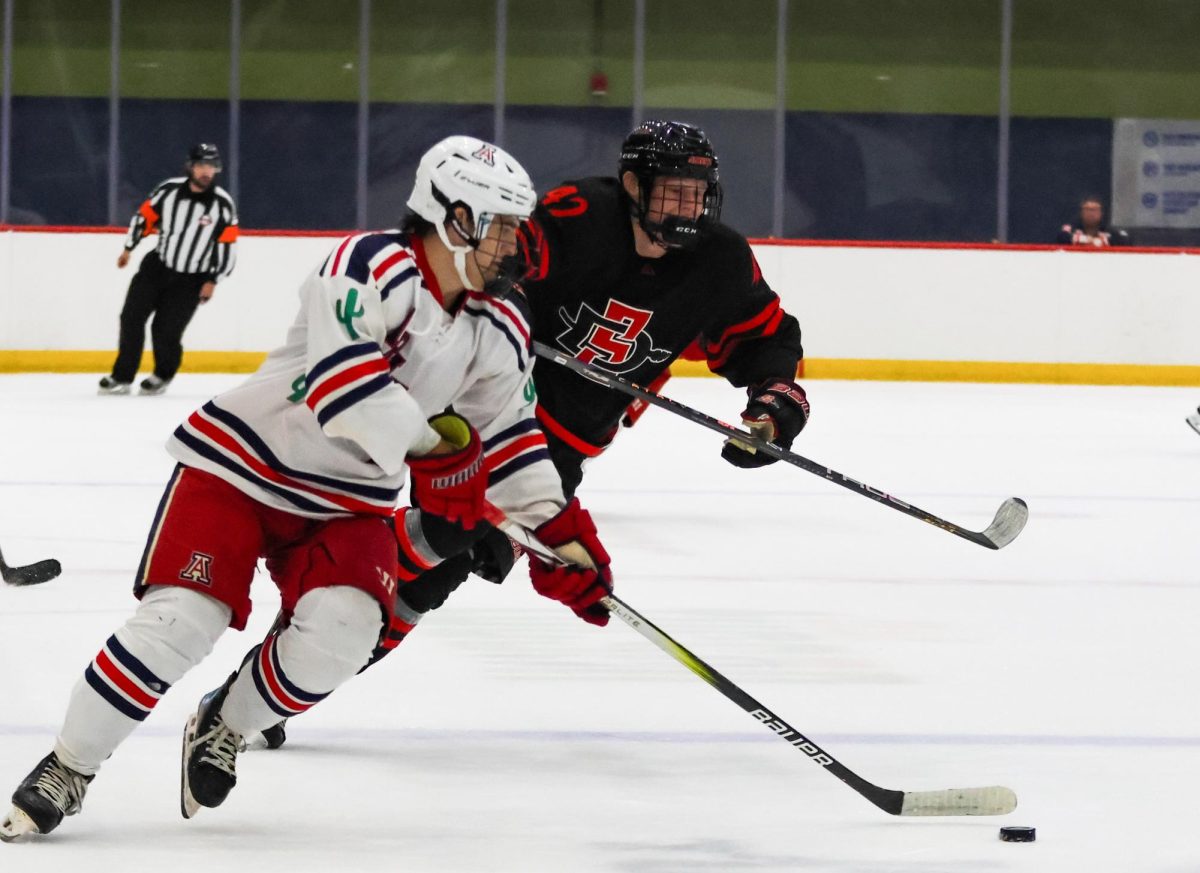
(565, 202)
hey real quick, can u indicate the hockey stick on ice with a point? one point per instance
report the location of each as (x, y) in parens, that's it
(991, 800)
(1010, 517)
(30, 574)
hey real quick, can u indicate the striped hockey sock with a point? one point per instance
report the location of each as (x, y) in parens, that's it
(329, 639)
(172, 630)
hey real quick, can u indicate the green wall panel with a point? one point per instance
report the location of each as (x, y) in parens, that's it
(554, 47)
(60, 48)
(894, 56)
(1117, 59)
(433, 53)
(1108, 58)
(174, 49)
(299, 50)
(710, 54)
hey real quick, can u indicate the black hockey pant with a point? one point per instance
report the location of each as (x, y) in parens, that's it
(172, 299)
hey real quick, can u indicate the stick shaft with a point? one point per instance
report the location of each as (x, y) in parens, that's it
(992, 800)
(890, 801)
(887, 800)
(619, 383)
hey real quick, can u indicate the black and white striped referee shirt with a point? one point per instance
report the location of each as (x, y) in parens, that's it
(197, 233)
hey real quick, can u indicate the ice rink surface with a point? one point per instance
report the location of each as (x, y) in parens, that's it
(506, 735)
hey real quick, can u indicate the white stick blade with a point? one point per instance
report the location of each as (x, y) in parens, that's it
(1009, 521)
(993, 800)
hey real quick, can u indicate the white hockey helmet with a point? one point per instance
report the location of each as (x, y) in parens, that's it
(465, 171)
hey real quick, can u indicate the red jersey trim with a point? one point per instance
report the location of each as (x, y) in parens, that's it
(427, 273)
(582, 446)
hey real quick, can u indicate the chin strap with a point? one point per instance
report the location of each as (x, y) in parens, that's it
(460, 252)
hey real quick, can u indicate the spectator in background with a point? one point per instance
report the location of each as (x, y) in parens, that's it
(197, 228)
(1090, 229)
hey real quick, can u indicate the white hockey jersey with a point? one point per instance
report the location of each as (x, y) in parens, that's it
(323, 427)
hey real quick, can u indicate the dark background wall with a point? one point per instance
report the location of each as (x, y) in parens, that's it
(891, 124)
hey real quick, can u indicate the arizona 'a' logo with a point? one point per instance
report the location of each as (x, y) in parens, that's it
(198, 569)
(486, 153)
(615, 340)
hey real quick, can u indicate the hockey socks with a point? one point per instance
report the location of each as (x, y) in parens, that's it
(172, 630)
(332, 634)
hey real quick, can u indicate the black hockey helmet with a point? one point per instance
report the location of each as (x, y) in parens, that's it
(204, 152)
(671, 148)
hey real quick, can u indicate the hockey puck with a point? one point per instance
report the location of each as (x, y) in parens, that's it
(1018, 834)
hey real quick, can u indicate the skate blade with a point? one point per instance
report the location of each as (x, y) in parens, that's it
(16, 826)
(187, 804)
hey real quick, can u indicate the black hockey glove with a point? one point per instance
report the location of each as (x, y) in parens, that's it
(777, 412)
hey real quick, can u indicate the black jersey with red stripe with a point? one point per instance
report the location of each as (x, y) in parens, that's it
(596, 299)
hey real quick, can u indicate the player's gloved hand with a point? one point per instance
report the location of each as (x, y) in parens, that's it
(777, 412)
(580, 584)
(451, 481)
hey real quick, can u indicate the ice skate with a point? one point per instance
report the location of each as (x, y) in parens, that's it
(51, 791)
(109, 385)
(153, 385)
(209, 767)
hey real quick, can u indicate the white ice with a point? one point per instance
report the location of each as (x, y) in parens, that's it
(505, 735)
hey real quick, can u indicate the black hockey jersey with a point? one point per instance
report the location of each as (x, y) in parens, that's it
(596, 299)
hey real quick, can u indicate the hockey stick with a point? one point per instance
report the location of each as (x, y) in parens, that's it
(1010, 517)
(991, 800)
(30, 574)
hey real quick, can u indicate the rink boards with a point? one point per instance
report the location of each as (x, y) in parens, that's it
(894, 311)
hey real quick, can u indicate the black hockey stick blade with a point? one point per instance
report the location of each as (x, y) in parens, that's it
(30, 574)
(1009, 521)
(988, 800)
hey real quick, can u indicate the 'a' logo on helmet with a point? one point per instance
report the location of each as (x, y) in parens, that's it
(486, 153)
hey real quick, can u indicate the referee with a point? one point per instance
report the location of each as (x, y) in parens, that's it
(197, 229)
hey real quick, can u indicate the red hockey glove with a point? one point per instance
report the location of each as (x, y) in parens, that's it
(453, 484)
(581, 584)
(777, 412)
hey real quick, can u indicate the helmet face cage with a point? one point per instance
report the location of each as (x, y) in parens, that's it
(500, 273)
(660, 149)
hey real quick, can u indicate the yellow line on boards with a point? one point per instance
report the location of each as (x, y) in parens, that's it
(56, 361)
(983, 371)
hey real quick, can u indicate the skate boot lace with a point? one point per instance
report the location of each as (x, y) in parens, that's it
(62, 787)
(221, 746)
